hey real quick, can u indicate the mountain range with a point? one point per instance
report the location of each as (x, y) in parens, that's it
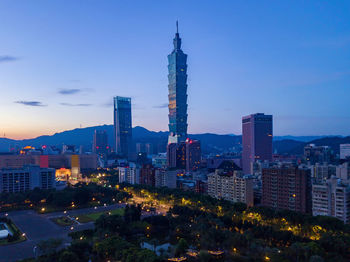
(211, 143)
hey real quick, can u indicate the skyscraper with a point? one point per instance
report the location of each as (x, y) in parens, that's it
(256, 140)
(193, 154)
(122, 125)
(100, 143)
(177, 78)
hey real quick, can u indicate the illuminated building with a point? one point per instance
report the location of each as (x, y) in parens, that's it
(177, 87)
(193, 154)
(176, 155)
(100, 143)
(26, 178)
(256, 140)
(184, 155)
(75, 166)
(122, 125)
(63, 174)
(287, 187)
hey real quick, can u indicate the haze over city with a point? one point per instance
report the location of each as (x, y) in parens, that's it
(61, 64)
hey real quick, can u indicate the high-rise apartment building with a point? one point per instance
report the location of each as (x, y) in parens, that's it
(122, 125)
(129, 174)
(100, 143)
(321, 172)
(165, 178)
(331, 198)
(344, 151)
(287, 187)
(177, 78)
(231, 186)
(256, 140)
(147, 175)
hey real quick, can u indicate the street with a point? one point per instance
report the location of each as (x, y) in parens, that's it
(38, 227)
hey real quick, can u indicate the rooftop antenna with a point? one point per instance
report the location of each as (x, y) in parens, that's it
(177, 26)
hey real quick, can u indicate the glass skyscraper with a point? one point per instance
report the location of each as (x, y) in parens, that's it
(177, 92)
(122, 125)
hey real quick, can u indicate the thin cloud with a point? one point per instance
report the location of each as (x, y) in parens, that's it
(69, 104)
(7, 58)
(69, 91)
(107, 104)
(30, 103)
(165, 105)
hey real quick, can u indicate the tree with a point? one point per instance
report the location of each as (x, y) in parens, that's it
(68, 256)
(181, 247)
(49, 246)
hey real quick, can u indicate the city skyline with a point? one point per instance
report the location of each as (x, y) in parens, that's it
(63, 73)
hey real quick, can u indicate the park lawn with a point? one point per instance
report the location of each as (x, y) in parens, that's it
(62, 221)
(94, 216)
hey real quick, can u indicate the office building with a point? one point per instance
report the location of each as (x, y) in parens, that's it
(331, 198)
(100, 143)
(317, 154)
(344, 151)
(287, 187)
(176, 155)
(231, 186)
(177, 87)
(193, 154)
(26, 178)
(256, 140)
(122, 125)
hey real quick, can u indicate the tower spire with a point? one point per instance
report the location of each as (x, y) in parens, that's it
(177, 26)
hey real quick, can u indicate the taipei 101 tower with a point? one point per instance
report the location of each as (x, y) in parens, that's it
(177, 92)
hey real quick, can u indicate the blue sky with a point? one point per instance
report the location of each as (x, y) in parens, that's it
(61, 62)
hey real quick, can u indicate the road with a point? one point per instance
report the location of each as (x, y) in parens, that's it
(38, 227)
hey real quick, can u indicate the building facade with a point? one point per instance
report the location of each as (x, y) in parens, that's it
(317, 154)
(122, 125)
(177, 77)
(165, 178)
(256, 140)
(100, 143)
(231, 186)
(129, 174)
(344, 151)
(287, 187)
(193, 154)
(26, 178)
(331, 198)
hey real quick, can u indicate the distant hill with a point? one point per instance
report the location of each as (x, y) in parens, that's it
(297, 138)
(286, 146)
(211, 143)
(84, 137)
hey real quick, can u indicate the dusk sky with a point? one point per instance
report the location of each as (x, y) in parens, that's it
(61, 62)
